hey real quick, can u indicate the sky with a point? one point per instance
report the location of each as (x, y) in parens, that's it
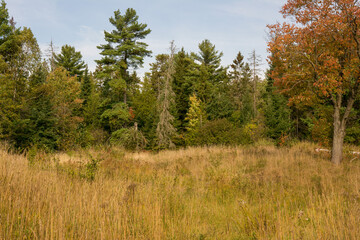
(232, 25)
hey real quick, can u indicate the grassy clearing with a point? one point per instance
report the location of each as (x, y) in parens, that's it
(199, 193)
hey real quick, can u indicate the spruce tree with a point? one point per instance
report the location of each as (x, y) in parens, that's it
(277, 113)
(210, 80)
(165, 129)
(71, 60)
(241, 90)
(183, 87)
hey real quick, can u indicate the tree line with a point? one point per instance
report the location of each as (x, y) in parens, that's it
(186, 99)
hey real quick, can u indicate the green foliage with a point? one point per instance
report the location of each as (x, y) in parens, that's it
(241, 92)
(196, 117)
(65, 92)
(144, 104)
(129, 138)
(91, 169)
(71, 60)
(221, 132)
(221, 104)
(277, 114)
(208, 74)
(123, 50)
(182, 86)
(41, 122)
(117, 117)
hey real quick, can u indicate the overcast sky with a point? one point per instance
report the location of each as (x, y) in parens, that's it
(232, 25)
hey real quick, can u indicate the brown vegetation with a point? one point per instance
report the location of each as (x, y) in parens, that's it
(199, 193)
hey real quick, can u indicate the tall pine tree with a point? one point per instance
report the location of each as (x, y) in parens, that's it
(123, 50)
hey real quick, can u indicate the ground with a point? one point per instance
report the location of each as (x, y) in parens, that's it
(253, 192)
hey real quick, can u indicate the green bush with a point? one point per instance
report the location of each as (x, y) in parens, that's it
(220, 132)
(129, 138)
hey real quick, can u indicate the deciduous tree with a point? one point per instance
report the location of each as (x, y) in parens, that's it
(316, 56)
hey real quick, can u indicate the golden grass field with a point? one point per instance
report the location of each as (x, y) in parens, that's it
(258, 192)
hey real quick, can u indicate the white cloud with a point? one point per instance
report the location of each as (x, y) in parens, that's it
(88, 40)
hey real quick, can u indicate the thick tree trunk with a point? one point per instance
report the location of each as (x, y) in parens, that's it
(338, 138)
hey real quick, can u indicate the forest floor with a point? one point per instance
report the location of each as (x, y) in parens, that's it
(252, 192)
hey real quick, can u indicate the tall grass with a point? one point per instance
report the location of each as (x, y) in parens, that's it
(197, 193)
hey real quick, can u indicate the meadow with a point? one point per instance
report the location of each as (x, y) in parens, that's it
(247, 192)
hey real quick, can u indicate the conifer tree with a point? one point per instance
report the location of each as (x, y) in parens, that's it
(255, 61)
(209, 77)
(241, 90)
(165, 129)
(19, 56)
(40, 129)
(277, 113)
(71, 60)
(123, 49)
(183, 86)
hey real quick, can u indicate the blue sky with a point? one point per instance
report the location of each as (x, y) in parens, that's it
(232, 25)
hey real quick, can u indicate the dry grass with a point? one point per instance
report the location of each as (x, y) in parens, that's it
(198, 193)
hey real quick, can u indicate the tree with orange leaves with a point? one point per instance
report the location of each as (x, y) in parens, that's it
(316, 57)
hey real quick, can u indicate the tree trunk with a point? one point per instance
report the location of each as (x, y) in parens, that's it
(338, 138)
(339, 127)
(125, 97)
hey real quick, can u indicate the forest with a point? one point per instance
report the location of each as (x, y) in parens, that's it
(52, 101)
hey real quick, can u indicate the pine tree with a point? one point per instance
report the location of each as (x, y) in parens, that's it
(71, 60)
(123, 49)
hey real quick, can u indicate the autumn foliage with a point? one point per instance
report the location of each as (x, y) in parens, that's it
(316, 57)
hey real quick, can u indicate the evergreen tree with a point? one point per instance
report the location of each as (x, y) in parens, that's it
(145, 104)
(241, 90)
(123, 50)
(165, 129)
(209, 77)
(19, 56)
(183, 87)
(236, 82)
(277, 113)
(40, 128)
(255, 60)
(86, 88)
(90, 98)
(71, 60)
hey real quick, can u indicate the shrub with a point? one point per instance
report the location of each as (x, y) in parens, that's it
(129, 138)
(220, 132)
